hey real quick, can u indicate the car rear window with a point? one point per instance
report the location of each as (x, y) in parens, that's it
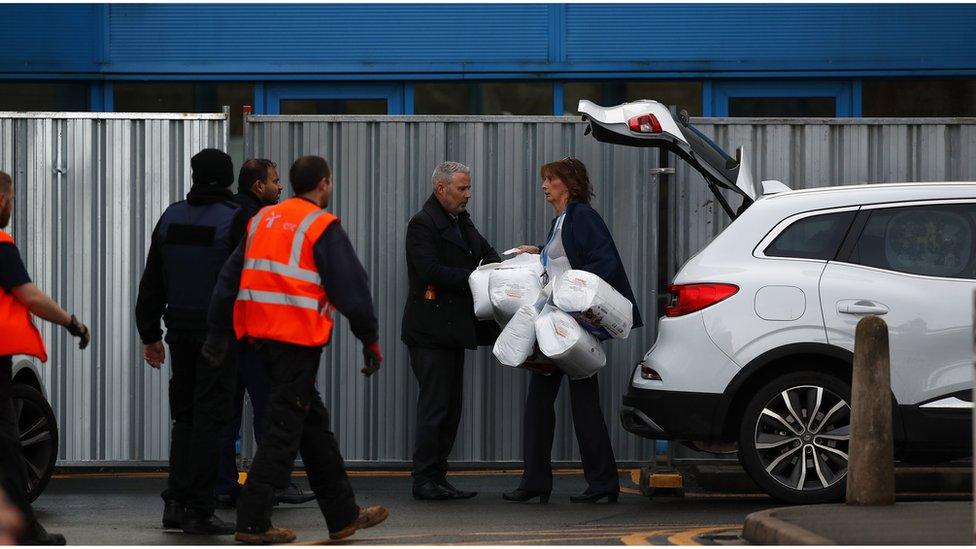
(814, 237)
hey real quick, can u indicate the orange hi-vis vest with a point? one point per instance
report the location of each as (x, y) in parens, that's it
(19, 335)
(281, 297)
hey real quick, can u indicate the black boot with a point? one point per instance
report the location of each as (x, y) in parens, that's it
(40, 536)
(172, 514)
(455, 493)
(432, 491)
(205, 525)
(521, 495)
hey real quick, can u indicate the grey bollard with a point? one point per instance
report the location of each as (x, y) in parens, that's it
(871, 468)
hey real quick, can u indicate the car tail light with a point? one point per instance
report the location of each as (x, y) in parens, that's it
(688, 298)
(644, 123)
(649, 373)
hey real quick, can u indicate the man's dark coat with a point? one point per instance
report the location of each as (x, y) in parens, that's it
(437, 255)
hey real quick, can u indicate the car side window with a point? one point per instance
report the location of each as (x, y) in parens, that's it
(814, 237)
(923, 240)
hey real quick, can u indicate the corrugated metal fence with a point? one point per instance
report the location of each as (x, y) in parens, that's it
(382, 168)
(90, 188)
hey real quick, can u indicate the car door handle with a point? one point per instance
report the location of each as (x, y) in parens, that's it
(861, 307)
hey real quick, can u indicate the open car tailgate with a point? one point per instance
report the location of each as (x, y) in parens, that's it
(647, 123)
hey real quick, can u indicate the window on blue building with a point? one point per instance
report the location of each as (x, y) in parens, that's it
(684, 94)
(914, 97)
(44, 96)
(333, 106)
(519, 98)
(190, 97)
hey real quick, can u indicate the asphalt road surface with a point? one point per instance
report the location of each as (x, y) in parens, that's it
(125, 509)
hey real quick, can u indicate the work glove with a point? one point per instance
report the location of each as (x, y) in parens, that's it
(215, 347)
(80, 331)
(373, 357)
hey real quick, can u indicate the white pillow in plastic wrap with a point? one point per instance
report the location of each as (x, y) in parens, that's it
(595, 304)
(517, 341)
(511, 288)
(478, 282)
(571, 347)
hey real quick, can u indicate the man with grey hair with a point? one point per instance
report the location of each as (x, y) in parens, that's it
(443, 248)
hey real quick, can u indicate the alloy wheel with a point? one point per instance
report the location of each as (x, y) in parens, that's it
(37, 443)
(802, 438)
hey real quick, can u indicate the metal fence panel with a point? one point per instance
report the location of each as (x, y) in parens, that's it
(90, 187)
(382, 168)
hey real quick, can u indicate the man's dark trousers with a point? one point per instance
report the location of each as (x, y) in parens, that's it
(200, 406)
(297, 420)
(440, 373)
(12, 474)
(252, 376)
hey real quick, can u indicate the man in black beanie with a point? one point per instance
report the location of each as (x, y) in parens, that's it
(190, 243)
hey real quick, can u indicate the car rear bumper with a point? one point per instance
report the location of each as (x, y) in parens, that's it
(670, 415)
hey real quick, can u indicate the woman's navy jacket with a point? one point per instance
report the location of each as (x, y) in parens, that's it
(589, 247)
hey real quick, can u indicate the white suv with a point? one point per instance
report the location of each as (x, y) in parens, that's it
(756, 345)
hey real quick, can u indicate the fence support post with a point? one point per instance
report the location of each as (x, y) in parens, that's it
(871, 467)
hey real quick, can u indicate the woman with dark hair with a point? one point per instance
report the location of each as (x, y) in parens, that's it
(578, 239)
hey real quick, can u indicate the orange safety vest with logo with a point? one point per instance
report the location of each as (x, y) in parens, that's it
(20, 336)
(281, 296)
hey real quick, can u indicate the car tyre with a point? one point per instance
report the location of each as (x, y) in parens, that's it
(802, 413)
(38, 437)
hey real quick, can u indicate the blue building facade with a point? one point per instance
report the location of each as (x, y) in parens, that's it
(712, 59)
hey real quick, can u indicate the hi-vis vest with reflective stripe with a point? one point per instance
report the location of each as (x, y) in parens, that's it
(18, 335)
(281, 297)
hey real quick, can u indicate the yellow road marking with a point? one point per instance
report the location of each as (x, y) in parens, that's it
(688, 536)
(642, 538)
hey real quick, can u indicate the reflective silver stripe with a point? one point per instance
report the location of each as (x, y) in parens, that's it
(274, 267)
(296, 244)
(277, 298)
(253, 228)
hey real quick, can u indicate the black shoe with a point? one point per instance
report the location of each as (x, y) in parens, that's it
(206, 526)
(431, 490)
(593, 497)
(40, 536)
(225, 501)
(173, 514)
(521, 495)
(456, 494)
(293, 495)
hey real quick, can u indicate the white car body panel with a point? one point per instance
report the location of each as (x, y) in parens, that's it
(929, 317)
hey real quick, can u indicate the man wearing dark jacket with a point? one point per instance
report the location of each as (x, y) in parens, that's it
(258, 185)
(190, 243)
(443, 248)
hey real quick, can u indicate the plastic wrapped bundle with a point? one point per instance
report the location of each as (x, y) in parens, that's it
(478, 282)
(510, 289)
(596, 305)
(517, 341)
(479, 279)
(571, 347)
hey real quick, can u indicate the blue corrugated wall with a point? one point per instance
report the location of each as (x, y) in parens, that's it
(397, 41)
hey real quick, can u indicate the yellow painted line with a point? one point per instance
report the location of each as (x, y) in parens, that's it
(642, 538)
(688, 536)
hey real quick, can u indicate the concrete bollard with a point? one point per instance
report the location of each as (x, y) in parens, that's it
(871, 468)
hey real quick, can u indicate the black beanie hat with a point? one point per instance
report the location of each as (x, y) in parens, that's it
(212, 167)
